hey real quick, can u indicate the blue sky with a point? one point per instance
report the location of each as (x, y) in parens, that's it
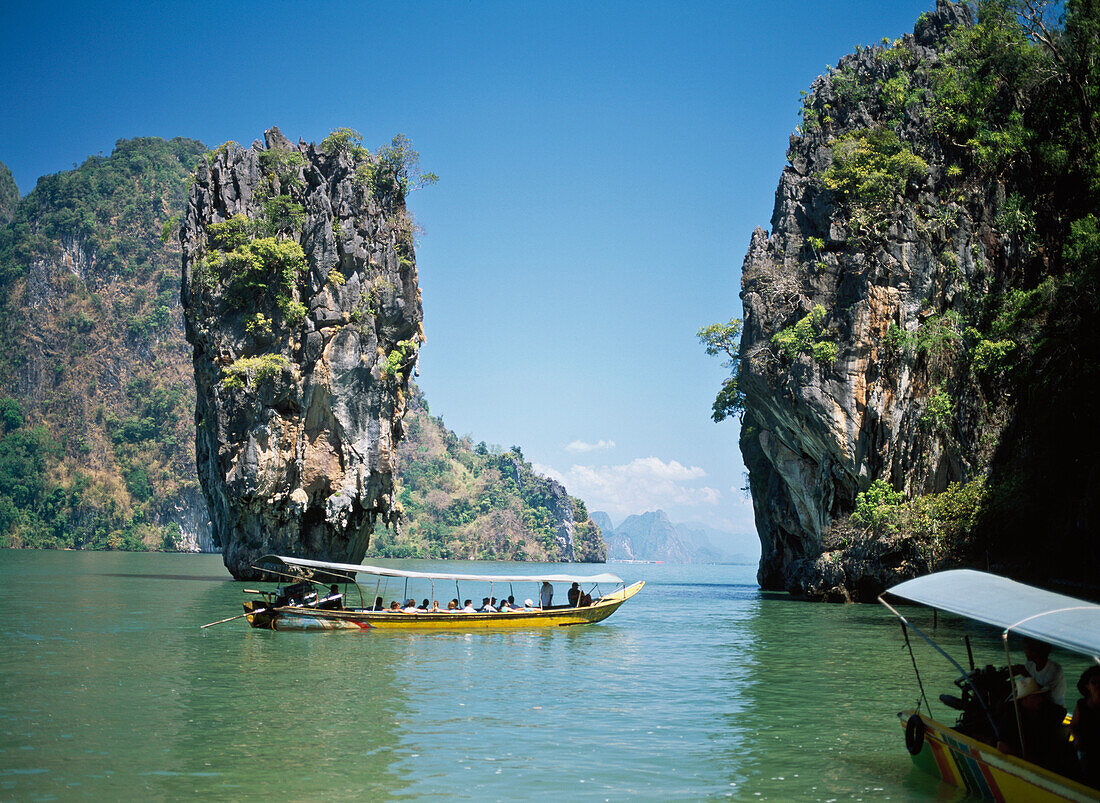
(602, 166)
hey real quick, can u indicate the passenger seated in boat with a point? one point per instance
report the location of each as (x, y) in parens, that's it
(435, 607)
(395, 607)
(487, 605)
(586, 600)
(333, 601)
(469, 607)
(1085, 727)
(574, 595)
(424, 605)
(1043, 738)
(1047, 673)
(528, 604)
(452, 606)
(505, 605)
(378, 606)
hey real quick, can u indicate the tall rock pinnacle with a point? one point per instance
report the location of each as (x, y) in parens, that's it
(302, 305)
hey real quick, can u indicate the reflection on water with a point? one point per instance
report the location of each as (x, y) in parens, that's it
(698, 687)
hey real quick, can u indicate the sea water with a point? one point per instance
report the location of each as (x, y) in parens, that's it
(701, 686)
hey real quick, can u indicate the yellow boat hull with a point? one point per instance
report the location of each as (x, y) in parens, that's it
(298, 618)
(984, 771)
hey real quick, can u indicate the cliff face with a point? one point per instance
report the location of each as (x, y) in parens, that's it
(302, 305)
(879, 333)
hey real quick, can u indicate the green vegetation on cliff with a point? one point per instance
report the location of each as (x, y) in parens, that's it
(1014, 106)
(478, 502)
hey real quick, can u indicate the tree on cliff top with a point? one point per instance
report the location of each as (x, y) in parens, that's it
(725, 338)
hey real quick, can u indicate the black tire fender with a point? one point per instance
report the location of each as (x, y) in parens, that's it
(914, 734)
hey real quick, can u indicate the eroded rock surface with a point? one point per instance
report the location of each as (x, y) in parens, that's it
(302, 305)
(817, 431)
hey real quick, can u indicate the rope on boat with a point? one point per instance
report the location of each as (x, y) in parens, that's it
(963, 674)
(913, 658)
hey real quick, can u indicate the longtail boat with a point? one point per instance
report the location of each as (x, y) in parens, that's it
(967, 755)
(305, 603)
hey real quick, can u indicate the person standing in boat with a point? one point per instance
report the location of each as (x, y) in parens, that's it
(546, 594)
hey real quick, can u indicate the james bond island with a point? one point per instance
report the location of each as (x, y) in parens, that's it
(302, 305)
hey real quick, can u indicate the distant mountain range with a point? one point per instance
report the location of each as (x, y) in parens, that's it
(653, 536)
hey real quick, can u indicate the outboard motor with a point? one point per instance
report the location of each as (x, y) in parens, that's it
(992, 684)
(297, 594)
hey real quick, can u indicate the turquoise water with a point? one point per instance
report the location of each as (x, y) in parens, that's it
(701, 686)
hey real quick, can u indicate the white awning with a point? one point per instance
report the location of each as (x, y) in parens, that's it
(1066, 622)
(380, 571)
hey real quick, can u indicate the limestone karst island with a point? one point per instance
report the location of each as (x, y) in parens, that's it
(501, 401)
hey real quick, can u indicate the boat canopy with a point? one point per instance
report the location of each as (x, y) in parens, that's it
(488, 578)
(1066, 622)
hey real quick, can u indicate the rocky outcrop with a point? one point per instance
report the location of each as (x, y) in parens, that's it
(302, 306)
(189, 513)
(842, 396)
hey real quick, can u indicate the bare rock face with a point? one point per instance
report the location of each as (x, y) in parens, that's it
(819, 426)
(302, 305)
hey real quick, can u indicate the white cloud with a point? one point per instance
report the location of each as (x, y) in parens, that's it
(581, 446)
(643, 484)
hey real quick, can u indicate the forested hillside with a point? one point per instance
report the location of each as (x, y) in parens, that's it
(98, 444)
(475, 501)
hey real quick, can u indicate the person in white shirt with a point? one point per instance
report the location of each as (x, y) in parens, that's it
(469, 607)
(1047, 673)
(546, 594)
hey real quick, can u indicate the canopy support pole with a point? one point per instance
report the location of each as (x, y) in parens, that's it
(962, 672)
(1015, 699)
